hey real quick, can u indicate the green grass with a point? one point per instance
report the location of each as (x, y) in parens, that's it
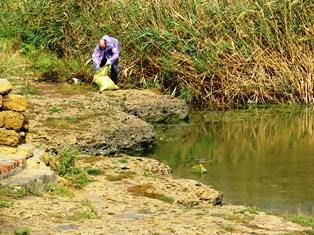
(304, 220)
(59, 190)
(49, 67)
(167, 199)
(23, 231)
(233, 217)
(185, 190)
(94, 171)
(239, 217)
(78, 178)
(58, 123)
(302, 217)
(55, 109)
(5, 203)
(123, 160)
(7, 192)
(147, 172)
(186, 94)
(122, 175)
(68, 122)
(66, 160)
(71, 119)
(214, 54)
(88, 212)
(251, 210)
(64, 165)
(12, 62)
(227, 227)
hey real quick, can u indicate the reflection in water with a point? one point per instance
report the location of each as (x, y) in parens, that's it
(262, 158)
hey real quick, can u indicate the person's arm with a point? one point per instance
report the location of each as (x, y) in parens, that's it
(96, 58)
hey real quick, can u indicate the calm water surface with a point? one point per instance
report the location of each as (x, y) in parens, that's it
(258, 157)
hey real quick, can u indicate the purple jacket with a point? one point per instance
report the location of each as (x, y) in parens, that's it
(112, 52)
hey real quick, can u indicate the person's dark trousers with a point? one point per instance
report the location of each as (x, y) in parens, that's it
(114, 70)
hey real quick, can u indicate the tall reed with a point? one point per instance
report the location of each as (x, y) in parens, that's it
(215, 54)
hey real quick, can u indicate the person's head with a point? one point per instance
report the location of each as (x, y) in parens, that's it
(102, 43)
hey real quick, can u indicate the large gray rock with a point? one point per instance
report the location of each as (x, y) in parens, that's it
(113, 133)
(127, 134)
(33, 178)
(106, 123)
(150, 106)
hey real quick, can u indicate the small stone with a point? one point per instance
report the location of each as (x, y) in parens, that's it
(5, 86)
(9, 137)
(22, 134)
(15, 102)
(12, 120)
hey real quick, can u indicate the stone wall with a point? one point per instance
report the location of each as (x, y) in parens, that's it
(20, 164)
(13, 123)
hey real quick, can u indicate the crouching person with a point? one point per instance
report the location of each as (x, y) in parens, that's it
(107, 52)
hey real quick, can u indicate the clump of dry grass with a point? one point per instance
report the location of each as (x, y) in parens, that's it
(211, 53)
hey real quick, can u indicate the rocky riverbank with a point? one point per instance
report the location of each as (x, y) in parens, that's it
(128, 195)
(133, 195)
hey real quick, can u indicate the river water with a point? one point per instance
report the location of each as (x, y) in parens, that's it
(258, 157)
